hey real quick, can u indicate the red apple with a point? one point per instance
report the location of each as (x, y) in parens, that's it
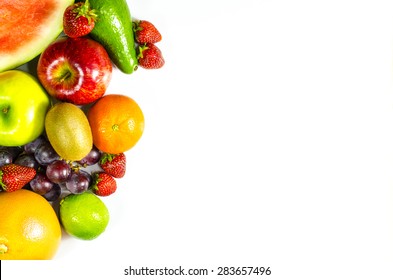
(75, 70)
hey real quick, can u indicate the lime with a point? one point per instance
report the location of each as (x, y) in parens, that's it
(84, 215)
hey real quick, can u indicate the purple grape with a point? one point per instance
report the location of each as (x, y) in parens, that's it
(91, 158)
(14, 151)
(78, 182)
(54, 193)
(41, 184)
(45, 154)
(5, 157)
(30, 148)
(58, 171)
(27, 160)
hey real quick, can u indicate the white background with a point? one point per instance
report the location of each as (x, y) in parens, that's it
(268, 142)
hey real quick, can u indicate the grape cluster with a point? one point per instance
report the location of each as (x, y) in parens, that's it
(55, 176)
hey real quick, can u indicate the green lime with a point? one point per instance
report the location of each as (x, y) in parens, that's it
(84, 215)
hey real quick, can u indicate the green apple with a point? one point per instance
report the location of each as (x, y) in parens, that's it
(23, 106)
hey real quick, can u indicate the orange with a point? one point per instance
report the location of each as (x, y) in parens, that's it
(116, 123)
(29, 227)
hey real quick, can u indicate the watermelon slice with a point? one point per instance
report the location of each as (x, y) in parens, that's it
(27, 27)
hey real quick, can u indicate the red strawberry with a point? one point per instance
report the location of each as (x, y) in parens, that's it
(150, 56)
(114, 165)
(103, 184)
(14, 177)
(79, 19)
(145, 32)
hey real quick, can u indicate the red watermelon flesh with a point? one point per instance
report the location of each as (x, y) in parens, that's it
(27, 27)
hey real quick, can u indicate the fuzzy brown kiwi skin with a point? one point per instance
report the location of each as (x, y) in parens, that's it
(68, 130)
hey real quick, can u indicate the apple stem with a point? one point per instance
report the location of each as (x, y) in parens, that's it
(5, 110)
(65, 76)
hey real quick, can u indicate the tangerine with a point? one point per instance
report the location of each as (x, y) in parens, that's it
(116, 123)
(29, 227)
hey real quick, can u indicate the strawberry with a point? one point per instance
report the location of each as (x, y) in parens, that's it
(145, 32)
(150, 56)
(14, 177)
(103, 184)
(114, 165)
(78, 19)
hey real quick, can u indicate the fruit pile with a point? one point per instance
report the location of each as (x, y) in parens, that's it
(66, 139)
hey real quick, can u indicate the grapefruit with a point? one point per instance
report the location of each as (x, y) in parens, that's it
(27, 27)
(29, 227)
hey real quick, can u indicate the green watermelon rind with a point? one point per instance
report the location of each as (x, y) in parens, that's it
(49, 31)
